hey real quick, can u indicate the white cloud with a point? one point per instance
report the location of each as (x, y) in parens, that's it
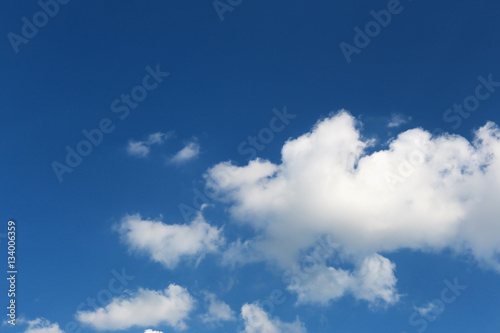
(190, 151)
(239, 252)
(327, 283)
(158, 138)
(217, 310)
(137, 148)
(142, 148)
(152, 331)
(41, 325)
(373, 281)
(397, 120)
(257, 321)
(423, 193)
(427, 309)
(145, 308)
(169, 243)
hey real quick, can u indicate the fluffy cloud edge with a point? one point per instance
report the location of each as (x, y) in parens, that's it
(144, 308)
(168, 244)
(256, 320)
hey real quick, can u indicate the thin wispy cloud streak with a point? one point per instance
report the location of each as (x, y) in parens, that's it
(190, 151)
(142, 148)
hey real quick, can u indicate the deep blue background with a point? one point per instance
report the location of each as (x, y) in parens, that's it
(225, 78)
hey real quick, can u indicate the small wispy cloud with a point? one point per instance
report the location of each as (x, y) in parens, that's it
(142, 148)
(190, 151)
(397, 120)
(40, 325)
(218, 311)
(257, 321)
(426, 309)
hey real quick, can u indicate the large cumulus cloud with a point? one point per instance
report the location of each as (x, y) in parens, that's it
(422, 192)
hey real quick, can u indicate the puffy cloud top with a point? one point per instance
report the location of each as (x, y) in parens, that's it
(422, 192)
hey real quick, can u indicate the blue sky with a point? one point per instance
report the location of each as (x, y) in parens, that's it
(246, 173)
